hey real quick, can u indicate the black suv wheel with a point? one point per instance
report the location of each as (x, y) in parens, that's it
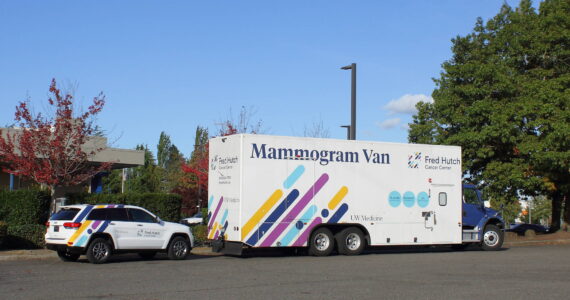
(179, 248)
(99, 251)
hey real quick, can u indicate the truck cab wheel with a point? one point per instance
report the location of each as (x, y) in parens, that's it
(350, 241)
(321, 242)
(492, 239)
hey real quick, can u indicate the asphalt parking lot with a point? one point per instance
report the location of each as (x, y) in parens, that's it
(425, 273)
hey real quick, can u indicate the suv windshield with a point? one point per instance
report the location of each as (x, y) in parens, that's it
(65, 214)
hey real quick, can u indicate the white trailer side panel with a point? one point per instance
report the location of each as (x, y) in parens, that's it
(290, 185)
(224, 188)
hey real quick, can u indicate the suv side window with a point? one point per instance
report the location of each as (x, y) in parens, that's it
(138, 215)
(470, 197)
(117, 214)
(98, 214)
(108, 214)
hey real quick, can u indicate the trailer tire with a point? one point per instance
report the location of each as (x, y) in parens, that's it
(321, 242)
(492, 239)
(350, 241)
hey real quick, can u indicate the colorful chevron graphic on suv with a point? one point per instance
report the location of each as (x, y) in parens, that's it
(88, 227)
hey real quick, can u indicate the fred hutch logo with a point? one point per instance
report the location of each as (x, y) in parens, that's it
(214, 163)
(414, 160)
(417, 160)
(223, 163)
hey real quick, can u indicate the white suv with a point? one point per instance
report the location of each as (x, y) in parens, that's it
(100, 230)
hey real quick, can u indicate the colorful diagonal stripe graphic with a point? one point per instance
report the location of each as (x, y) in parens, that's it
(273, 217)
(338, 214)
(303, 238)
(296, 210)
(260, 213)
(213, 218)
(288, 183)
(292, 233)
(338, 197)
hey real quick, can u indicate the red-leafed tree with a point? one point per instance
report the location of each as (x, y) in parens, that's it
(53, 150)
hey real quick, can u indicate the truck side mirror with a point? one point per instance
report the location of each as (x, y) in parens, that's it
(487, 203)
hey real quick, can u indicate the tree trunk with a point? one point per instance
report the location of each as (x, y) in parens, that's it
(52, 203)
(556, 211)
(566, 225)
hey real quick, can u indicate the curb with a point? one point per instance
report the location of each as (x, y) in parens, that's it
(538, 243)
(41, 254)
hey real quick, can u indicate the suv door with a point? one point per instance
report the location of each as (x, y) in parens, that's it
(114, 221)
(150, 232)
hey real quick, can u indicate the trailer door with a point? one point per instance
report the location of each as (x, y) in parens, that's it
(442, 216)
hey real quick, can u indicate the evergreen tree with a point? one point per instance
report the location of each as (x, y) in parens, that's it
(146, 178)
(504, 97)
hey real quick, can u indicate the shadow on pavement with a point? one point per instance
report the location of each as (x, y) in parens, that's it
(135, 258)
(383, 250)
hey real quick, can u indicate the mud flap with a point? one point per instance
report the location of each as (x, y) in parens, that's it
(225, 247)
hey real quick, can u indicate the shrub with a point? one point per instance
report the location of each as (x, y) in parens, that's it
(166, 206)
(25, 236)
(3, 231)
(24, 207)
(200, 233)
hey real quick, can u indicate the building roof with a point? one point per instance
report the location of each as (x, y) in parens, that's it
(120, 158)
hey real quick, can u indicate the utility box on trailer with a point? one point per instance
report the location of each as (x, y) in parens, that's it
(273, 191)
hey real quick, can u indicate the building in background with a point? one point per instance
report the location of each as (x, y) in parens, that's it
(120, 159)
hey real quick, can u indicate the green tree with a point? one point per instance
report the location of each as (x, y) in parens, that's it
(169, 160)
(540, 209)
(146, 178)
(163, 149)
(112, 183)
(503, 97)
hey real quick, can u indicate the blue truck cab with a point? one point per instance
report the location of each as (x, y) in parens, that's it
(481, 225)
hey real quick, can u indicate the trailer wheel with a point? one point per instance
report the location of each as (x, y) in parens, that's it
(350, 241)
(321, 242)
(493, 238)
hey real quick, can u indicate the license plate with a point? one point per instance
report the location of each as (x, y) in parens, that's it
(56, 229)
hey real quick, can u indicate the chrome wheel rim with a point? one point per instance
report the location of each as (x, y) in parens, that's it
(180, 248)
(322, 241)
(491, 238)
(100, 251)
(353, 241)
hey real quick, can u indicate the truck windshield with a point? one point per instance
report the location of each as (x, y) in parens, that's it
(470, 196)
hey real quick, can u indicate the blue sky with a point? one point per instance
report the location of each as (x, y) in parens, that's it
(173, 65)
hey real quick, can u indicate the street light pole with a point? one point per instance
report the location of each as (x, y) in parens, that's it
(347, 131)
(352, 68)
